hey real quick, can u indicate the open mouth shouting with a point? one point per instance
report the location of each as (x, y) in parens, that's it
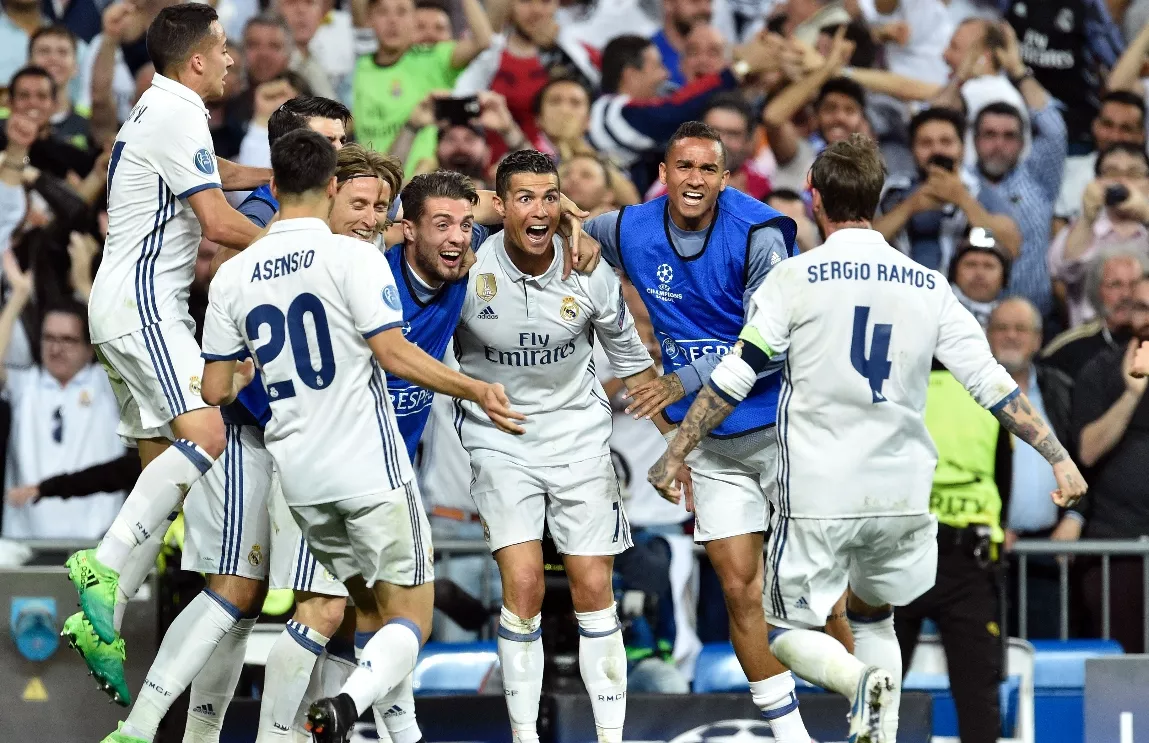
(692, 198)
(537, 235)
(451, 258)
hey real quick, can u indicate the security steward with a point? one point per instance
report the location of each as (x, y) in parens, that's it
(970, 492)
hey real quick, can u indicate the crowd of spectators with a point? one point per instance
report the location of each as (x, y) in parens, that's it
(1014, 133)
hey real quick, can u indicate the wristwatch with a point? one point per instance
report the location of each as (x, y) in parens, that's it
(15, 163)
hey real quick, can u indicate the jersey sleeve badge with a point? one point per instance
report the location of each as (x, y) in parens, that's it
(205, 162)
(391, 297)
(486, 287)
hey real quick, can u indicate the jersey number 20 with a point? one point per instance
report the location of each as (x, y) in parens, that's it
(874, 366)
(296, 333)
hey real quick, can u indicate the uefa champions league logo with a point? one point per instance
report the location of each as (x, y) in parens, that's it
(665, 275)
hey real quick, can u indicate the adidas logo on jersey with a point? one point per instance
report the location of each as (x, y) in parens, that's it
(393, 712)
(801, 603)
(204, 709)
(488, 313)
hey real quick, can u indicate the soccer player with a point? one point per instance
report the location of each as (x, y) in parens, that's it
(164, 193)
(525, 324)
(321, 314)
(696, 255)
(860, 324)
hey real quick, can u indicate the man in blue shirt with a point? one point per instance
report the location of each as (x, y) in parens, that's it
(696, 256)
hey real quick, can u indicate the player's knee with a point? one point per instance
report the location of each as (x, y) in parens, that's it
(204, 428)
(323, 614)
(523, 592)
(245, 594)
(742, 586)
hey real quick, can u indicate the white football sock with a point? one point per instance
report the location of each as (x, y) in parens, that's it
(602, 662)
(876, 644)
(136, 569)
(521, 658)
(387, 659)
(286, 675)
(187, 645)
(159, 490)
(214, 686)
(818, 658)
(775, 697)
(395, 712)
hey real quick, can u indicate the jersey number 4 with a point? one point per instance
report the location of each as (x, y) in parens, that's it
(874, 366)
(296, 332)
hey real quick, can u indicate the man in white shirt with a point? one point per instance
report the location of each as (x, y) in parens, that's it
(524, 324)
(164, 195)
(860, 324)
(321, 315)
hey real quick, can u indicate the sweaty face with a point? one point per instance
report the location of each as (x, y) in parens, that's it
(531, 212)
(937, 138)
(584, 182)
(694, 174)
(394, 24)
(267, 52)
(1118, 123)
(998, 142)
(431, 26)
(436, 242)
(56, 55)
(32, 96)
(1139, 316)
(330, 128)
(1014, 336)
(704, 52)
(360, 208)
(564, 111)
(979, 276)
(63, 347)
(839, 116)
(216, 62)
(1119, 278)
(304, 18)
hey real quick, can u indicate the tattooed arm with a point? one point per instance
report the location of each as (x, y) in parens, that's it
(1019, 418)
(707, 411)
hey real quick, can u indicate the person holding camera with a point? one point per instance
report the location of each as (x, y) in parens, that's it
(925, 215)
(1115, 210)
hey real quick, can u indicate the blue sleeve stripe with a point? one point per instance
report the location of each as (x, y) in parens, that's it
(1006, 400)
(235, 356)
(197, 189)
(723, 394)
(381, 328)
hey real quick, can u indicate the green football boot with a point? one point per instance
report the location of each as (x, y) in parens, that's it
(105, 662)
(118, 737)
(96, 584)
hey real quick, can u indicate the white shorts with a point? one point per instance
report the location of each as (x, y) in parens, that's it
(155, 374)
(225, 514)
(883, 559)
(580, 502)
(292, 564)
(380, 536)
(734, 482)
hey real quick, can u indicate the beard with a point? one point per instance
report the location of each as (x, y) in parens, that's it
(1013, 362)
(995, 168)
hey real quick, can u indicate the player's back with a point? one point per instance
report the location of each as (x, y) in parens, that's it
(864, 324)
(302, 298)
(162, 155)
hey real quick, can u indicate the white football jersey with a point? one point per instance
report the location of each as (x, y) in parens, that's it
(302, 301)
(162, 154)
(535, 335)
(861, 324)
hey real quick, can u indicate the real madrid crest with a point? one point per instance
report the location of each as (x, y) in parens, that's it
(485, 287)
(569, 309)
(85, 398)
(255, 557)
(194, 386)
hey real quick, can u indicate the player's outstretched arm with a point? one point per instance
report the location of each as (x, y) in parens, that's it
(236, 177)
(706, 412)
(407, 361)
(1019, 417)
(220, 222)
(223, 380)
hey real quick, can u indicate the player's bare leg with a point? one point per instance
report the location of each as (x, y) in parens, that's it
(214, 685)
(738, 562)
(388, 658)
(520, 635)
(601, 653)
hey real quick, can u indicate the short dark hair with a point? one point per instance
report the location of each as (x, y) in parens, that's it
(176, 33)
(442, 184)
(1129, 149)
(302, 161)
(785, 194)
(865, 50)
(842, 86)
(694, 130)
(297, 112)
(998, 108)
(564, 77)
(622, 52)
(32, 71)
(432, 5)
(56, 29)
(67, 306)
(521, 161)
(937, 113)
(731, 102)
(849, 176)
(1124, 98)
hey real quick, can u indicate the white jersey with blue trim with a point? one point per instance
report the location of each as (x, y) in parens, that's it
(861, 324)
(302, 302)
(162, 154)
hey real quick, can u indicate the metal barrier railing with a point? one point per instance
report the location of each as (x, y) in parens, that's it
(1106, 549)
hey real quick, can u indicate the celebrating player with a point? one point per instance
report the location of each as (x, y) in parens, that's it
(696, 255)
(523, 323)
(164, 192)
(333, 301)
(860, 324)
